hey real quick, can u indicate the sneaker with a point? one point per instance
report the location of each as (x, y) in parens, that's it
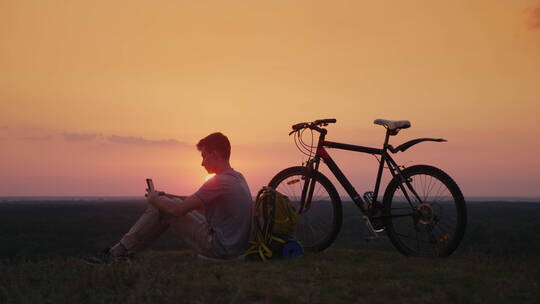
(106, 257)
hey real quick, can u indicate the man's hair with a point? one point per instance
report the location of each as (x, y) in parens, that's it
(216, 142)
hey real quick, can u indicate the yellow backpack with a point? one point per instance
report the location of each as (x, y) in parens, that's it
(273, 223)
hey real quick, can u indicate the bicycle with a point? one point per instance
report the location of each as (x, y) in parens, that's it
(423, 211)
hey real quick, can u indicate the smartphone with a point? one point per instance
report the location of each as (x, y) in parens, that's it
(150, 184)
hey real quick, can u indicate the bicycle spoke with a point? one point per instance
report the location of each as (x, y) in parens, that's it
(430, 187)
(445, 226)
(443, 232)
(438, 194)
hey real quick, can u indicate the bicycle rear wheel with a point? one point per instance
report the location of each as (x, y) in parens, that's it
(433, 226)
(320, 220)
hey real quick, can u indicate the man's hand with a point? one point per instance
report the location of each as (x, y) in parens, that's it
(173, 204)
(151, 196)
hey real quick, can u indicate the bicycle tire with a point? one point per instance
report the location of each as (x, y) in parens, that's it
(328, 224)
(430, 237)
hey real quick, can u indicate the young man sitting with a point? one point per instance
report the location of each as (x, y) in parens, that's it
(215, 221)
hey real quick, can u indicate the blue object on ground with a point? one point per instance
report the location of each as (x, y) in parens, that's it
(291, 249)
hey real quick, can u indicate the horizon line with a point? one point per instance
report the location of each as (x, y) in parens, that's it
(343, 199)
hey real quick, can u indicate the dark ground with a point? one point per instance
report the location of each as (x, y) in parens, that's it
(41, 245)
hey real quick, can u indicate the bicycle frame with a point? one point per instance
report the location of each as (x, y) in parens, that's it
(313, 165)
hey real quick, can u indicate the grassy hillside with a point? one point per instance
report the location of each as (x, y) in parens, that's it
(335, 276)
(42, 245)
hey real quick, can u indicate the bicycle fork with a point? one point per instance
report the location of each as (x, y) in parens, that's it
(312, 165)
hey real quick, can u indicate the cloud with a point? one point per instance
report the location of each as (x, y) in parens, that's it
(131, 140)
(37, 137)
(99, 138)
(534, 18)
(71, 137)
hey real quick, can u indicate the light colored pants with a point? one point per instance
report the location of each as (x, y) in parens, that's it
(191, 227)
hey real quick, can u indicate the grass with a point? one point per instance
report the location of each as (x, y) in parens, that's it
(42, 246)
(334, 276)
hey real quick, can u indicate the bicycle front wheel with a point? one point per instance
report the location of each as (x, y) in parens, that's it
(320, 220)
(426, 212)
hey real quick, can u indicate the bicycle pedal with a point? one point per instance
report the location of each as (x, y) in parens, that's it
(372, 234)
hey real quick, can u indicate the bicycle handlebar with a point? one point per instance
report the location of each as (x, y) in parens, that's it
(312, 125)
(299, 126)
(324, 121)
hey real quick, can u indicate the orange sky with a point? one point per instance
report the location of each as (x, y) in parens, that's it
(95, 96)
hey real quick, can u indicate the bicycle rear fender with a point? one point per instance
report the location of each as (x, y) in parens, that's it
(411, 143)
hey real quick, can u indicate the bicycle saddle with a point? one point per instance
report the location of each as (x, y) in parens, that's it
(393, 125)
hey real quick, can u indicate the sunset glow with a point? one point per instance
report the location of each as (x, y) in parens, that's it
(97, 95)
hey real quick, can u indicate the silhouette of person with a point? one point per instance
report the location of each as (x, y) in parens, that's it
(215, 221)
